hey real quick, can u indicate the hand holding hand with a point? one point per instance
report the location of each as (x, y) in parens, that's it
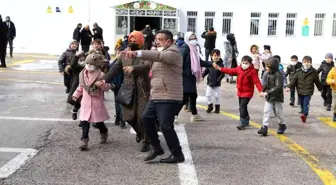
(99, 83)
(128, 69)
(263, 94)
(74, 98)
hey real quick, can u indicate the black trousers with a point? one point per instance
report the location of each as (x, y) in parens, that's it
(191, 99)
(67, 80)
(86, 128)
(3, 55)
(243, 112)
(86, 48)
(10, 42)
(163, 111)
(327, 94)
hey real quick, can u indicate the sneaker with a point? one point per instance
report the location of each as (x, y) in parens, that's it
(263, 130)
(243, 124)
(291, 104)
(328, 108)
(303, 118)
(282, 128)
(195, 118)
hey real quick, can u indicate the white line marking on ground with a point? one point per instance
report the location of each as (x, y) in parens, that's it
(132, 131)
(41, 119)
(187, 170)
(17, 162)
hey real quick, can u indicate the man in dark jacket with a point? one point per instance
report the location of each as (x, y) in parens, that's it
(3, 43)
(149, 37)
(210, 41)
(124, 43)
(97, 32)
(304, 81)
(76, 34)
(325, 67)
(11, 34)
(291, 70)
(273, 91)
(86, 38)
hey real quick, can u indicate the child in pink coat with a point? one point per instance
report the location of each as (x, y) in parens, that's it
(91, 88)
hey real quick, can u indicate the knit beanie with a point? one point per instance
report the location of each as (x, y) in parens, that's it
(329, 55)
(267, 47)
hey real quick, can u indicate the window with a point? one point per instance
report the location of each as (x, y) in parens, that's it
(318, 26)
(334, 26)
(227, 21)
(272, 24)
(122, 26)
(290, 24)
(254, 24)
(209, 19)
(191, 21)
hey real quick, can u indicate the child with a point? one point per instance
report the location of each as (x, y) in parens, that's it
(266, 55)
(247, 78)
(325, 67)
(281, 70)
(291, 71)
(256, 57)
(77, 64)
(93, 110)
(214, 82)
(304, 80)
(331, 80)
(64, 61)
(273, 92)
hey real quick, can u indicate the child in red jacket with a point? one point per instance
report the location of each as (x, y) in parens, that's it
(245, 87)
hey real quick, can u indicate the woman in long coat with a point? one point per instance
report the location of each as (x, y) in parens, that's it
(231, 53)
(139, 78)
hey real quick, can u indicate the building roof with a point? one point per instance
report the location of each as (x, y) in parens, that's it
(141, 5)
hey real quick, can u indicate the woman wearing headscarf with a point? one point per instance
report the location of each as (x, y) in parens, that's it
(192, 72)
(231, 53)
(137, 75)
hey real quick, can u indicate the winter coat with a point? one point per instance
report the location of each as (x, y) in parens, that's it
(325, 68)
(281, 70)
(179, 42)
(65, 59)
(273, 85)
(139, 78)
(230, 56)
(117, 80)
(246, 80)
(124, 45)
(75, 70)
(291, 70)
(76, 35)
(189, 80)
(210, 40)
(331, 77)
(3, 36)
(93, 108)
(98, 33)
(85, 37)
(11, 33)
(149, 38)
(214, 76)
(304, 81)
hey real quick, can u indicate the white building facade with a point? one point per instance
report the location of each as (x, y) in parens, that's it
(290, 26)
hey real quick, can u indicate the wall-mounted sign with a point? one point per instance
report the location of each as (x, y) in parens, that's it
(70, 10)
(121, 12)
(154, 13)
(170, 13)
(305, 28)
(137, 12)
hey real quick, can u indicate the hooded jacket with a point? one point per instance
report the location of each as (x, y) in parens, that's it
(66, 57)
(274, 82)
(214, 76)
(325, 67)
(210, 40)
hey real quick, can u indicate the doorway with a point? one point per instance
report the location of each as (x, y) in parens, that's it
(139, 23)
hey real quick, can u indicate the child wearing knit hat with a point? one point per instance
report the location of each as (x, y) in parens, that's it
(325, 67)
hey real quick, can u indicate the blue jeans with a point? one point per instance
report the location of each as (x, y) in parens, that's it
(164, 112)
(292, 96)
(305, 101)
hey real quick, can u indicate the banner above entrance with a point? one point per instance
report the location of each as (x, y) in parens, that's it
(144, 5)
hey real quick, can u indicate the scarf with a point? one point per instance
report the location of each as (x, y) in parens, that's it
(196, 69)
(87, 80)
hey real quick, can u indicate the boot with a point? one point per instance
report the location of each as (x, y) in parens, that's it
(138, 138)
(263, 130)
(291, 104)
(217, 109)
(103, 137)
(74, 116)
(334, 118)
(210, 108)
(122, 124)
(145, 147)
(84, 144)
(328, 107)
(282, 128)
(117, 120)
(3, 66)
